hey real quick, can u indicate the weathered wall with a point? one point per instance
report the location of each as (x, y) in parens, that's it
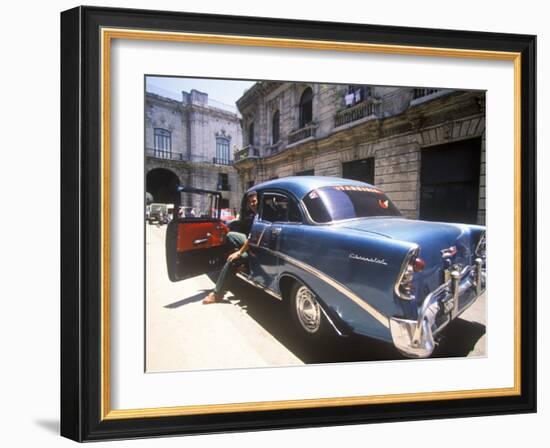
(399, 127)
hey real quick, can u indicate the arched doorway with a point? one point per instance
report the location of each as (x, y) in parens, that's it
(162, 184)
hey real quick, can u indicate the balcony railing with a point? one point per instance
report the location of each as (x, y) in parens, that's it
(163, 154)
(419, 93)
(246, 152)
(354, 113)
(169, 155)
(218, 161)
(303, 133)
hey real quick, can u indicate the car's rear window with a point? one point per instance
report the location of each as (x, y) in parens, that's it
(336, 203)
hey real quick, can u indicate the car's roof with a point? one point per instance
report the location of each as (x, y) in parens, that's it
(302, 185)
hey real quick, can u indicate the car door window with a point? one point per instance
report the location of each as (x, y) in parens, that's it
(278, 207)
(294, 213)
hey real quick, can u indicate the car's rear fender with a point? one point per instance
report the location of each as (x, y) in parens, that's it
(352, 273)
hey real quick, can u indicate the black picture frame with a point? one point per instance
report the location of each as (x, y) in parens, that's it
(82, 211)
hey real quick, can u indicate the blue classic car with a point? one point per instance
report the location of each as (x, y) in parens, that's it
(340, 253)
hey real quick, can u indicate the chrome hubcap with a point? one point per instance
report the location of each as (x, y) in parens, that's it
(308, 310)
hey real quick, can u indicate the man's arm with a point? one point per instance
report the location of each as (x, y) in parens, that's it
(243, 248)
(238, 254)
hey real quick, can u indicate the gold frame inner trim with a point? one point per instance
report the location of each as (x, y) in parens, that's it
(107, 35)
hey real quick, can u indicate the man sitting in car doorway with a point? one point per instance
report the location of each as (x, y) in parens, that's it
(238, 241)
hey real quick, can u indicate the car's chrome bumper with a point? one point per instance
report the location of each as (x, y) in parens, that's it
(417, 338)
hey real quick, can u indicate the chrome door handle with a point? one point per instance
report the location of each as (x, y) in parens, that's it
(202, 240)
(276, 230)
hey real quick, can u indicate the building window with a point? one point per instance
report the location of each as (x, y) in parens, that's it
(250, 184)
(305, 173)
(223, 182)
(355, 94)
(163, 143)
(306, 104)
(361, 170)
(224, 204)
(251, 134)
(222, 151)
(275, 128)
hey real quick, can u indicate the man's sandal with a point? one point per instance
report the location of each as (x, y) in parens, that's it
(212, 298)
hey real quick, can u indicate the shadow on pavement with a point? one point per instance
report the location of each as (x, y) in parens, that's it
(460, 338)
(213, 276)
(192, 299)
(274, 317)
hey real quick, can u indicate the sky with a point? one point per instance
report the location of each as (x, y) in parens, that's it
(226, 92)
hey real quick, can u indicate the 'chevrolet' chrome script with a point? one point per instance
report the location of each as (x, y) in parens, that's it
(367, 259)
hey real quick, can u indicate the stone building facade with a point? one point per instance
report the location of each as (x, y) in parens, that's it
(191, 143)
(424, 147)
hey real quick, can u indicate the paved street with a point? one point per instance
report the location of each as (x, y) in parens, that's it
(254, 330)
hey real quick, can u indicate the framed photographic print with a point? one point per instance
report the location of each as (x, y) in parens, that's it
(273, 224)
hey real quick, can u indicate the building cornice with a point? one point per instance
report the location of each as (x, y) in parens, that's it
(259, 90)
(153, 97)
(170, 102)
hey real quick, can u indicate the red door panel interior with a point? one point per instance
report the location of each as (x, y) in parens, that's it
(200, 235)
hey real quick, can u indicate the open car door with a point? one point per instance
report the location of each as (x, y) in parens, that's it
(196, 236)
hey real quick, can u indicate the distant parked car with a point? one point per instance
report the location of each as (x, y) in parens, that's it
(160, 213)
(346, 261)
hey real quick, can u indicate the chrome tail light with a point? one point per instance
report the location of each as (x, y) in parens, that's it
(480, 262)
(481, 251)
(404, 287)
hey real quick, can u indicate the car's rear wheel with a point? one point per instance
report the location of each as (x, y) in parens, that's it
(306, 312)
